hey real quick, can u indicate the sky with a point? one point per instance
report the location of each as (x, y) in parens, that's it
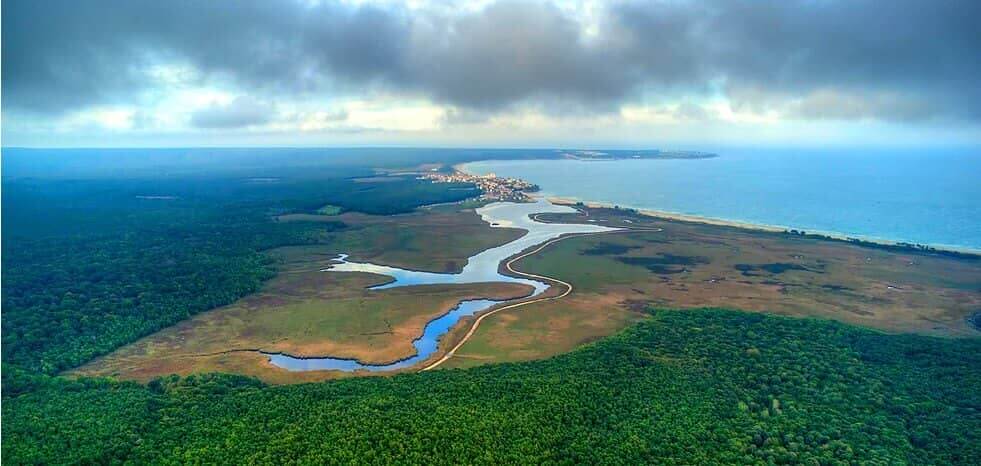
(610, 74)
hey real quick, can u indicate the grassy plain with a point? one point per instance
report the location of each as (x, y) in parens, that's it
(697, 265)
(434, 240)
(307, 312)
(615, 276)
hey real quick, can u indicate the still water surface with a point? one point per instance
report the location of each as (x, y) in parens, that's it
(921, 196)
(481, 268)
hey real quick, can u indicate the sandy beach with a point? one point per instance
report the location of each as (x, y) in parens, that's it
(730, 223)
(744, 225)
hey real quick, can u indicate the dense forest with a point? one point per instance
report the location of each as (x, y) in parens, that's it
(94, 262)
(692, 387)
(90, 265)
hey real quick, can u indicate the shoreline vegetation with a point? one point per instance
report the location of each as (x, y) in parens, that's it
(878, 243)
(881, 243)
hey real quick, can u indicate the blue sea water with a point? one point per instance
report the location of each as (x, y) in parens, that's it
(923, 196)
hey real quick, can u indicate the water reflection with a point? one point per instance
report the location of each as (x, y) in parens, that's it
(481, 268)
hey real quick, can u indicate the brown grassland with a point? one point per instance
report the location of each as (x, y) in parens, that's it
(306, 312)
(435, 240)
(697, 265)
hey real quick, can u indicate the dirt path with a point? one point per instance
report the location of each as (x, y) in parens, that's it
(507, 265)
(568, 289)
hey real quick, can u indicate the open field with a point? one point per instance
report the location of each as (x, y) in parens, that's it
(306, 312)
(434, 240)
(302, 312)
(545, 329)
(694, 265)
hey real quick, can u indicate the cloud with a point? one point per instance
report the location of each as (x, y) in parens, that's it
(239, 113)
(907, 60)
(690, 111)
(316, 121)
(889, 59)
(832, 105)
(60, 55)
(509, 52)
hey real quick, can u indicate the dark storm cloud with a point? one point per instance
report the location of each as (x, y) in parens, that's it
(241, 112)
(60, 55)
(912, 57)
(508, 52)
(900, 60)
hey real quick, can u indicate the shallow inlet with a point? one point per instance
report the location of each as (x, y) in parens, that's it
(481, 268)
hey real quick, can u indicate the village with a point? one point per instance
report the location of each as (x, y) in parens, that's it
(491, 186)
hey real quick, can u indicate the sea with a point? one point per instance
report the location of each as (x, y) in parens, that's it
(930, 197)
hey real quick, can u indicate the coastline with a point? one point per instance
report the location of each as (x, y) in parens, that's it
(676, 216)
(816, 234)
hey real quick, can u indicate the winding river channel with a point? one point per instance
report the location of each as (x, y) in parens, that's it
(481, 268)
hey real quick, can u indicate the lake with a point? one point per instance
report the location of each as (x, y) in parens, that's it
(926, 197)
